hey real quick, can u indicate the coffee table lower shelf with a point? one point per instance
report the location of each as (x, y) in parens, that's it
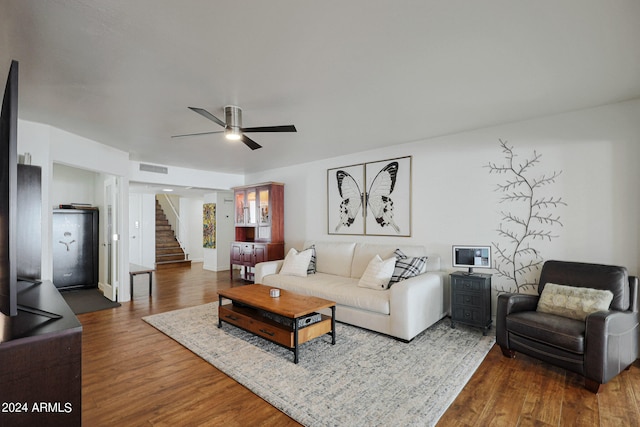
(251, 320)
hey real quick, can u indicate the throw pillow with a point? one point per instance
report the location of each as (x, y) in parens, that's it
(406, 267)
(312, 264)
(378, 273)
(573, 302)
(296, 263)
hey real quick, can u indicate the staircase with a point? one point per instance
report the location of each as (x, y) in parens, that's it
(169, 254)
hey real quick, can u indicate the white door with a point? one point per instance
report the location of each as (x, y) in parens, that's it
(135, 228)
(112, 239)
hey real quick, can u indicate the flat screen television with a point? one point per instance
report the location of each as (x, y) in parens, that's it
(9, 282)
(8, 197)
(471, 257)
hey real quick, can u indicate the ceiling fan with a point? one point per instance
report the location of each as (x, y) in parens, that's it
(232, 125)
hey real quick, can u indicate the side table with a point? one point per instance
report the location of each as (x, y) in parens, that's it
(134, 270)
(471, 300)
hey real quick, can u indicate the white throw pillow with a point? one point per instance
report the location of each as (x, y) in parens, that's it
(296, 263)
(573, 302)
(378, 273)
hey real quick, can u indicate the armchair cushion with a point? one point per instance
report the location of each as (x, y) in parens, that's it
(573, 302)
(558, 331)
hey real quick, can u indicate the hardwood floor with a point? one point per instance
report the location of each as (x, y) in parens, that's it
(134, 375)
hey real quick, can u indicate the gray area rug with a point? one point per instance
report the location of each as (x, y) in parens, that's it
(366, 379)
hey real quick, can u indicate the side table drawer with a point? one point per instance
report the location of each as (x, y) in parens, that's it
(463, 314)
(467, 285)
(468, 299)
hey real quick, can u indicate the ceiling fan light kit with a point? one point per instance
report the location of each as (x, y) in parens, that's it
(233, 119)
(233, 129)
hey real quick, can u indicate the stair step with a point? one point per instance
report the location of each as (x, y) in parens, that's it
(168, 250)
(160, 243)
(169, 254)
(170, 257)
(173, 264)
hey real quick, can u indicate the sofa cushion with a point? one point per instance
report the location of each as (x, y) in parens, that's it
(561, 332)
(343, 290)
(406, 267)
(378, 273)
(572, 301)
(296, 263)
(334, 257)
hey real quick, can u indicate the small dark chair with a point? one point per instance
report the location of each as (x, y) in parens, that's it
(599, 348)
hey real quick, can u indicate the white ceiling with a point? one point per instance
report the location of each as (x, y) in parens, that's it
(351, 75)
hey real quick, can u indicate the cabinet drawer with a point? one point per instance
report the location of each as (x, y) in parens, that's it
(467, 285)
(266, 329)
(470, 299)
(464, 314)
(230, 316)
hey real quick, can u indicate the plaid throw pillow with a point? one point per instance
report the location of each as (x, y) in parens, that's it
(406, 267)
(312, 264)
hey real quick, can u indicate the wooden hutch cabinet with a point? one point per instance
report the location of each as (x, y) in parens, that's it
(259, 224)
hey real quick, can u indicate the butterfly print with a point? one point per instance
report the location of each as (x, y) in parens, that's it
(377, 199)
(351, 198)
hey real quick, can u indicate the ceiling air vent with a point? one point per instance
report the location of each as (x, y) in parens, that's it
(153, 168)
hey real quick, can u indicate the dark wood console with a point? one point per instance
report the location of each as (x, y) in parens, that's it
(40, 361)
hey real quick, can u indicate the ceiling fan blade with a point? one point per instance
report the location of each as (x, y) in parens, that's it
(250, 142)
(208, 115)
(196, 134)
(288, 128)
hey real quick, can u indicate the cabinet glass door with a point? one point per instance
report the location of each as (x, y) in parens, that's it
(240, 207)
(251, 207)
(264, 215)
(263, 196)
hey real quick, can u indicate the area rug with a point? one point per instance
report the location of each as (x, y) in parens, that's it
(87, 300)
(364, 379)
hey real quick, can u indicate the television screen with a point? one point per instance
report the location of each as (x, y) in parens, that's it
(472, 257)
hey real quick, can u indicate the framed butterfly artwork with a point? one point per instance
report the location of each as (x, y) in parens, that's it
(370, 198)
(345, 198)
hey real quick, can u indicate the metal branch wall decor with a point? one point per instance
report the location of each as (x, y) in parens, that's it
(530, 218)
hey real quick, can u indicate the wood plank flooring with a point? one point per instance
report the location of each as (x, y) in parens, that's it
(134, 375)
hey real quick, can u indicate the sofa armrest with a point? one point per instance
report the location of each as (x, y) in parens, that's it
(612, 343)
(507, 304)
(416, 303)
(265, 268)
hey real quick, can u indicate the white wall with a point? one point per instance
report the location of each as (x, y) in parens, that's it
(142, 229)
(72, 185)
(186, 177)
(454, 197)
(191, 214)
(49, 146)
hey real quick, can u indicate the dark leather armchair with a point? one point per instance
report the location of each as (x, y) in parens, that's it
(599, 347)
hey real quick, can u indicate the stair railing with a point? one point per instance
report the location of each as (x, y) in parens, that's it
(174, 221)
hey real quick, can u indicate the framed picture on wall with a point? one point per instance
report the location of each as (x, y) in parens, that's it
(388, 196)
(345, 200)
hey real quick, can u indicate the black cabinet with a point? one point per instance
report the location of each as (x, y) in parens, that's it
(75, 248)
(41, 362)
(29, 222)
(471, 300)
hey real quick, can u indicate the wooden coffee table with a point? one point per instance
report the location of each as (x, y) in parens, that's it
(251, 302)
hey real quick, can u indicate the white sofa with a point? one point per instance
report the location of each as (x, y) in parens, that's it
(402, 311)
